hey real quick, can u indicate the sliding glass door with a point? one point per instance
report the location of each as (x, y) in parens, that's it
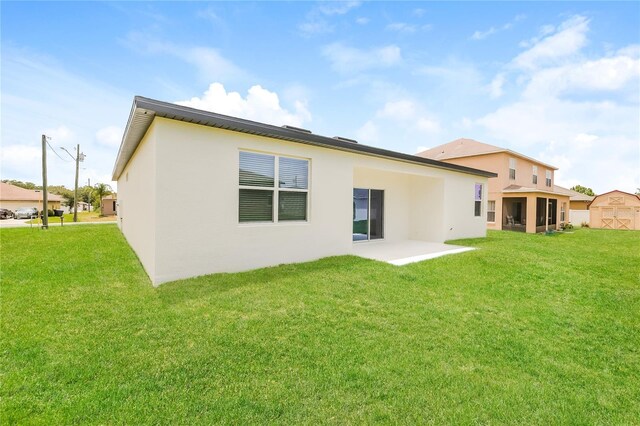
(368, 214)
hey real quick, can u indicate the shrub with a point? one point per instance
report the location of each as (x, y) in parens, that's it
(584, 225)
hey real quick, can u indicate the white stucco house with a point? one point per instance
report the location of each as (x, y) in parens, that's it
(247, 195)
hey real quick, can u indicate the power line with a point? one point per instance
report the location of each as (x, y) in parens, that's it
(58, 155)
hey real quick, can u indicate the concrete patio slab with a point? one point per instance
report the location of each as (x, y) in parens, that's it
(405, 252)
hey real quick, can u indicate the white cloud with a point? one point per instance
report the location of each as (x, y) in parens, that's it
(595, 141)
(402, 27)
(368, 132)
(22, 160)
(347, 59)
(398, 110)
(60, 135)
(318, 26)
(631, 51)
(209, 62)
(605, 74)
(337, 7)
(404, 113)
(481, 35)
(405, 28)
(110, 136)
(495, 88)
(567, 40)
(317, 20)
(428, 125)
(260, 104)
(40, 97)
(362, 20)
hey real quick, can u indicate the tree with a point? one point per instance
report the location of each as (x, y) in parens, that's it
(21, 184)
(637, 191)
(85, 194)
(68, 200)
(583, 190)
(100, 190)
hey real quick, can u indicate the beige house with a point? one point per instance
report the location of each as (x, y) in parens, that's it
(256, 195)
(578, 205)
(522, 197)
(108, 205)
(615, 210)
(13, 197)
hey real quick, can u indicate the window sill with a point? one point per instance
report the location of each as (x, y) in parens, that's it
(265, 224)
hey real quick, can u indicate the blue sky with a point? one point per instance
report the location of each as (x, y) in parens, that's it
(557, 81)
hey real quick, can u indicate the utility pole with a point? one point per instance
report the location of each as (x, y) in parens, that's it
(45, 198)
(78, 158)
(75, 191)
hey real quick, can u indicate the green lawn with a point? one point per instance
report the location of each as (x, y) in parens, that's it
(529, 329)
(93, 216)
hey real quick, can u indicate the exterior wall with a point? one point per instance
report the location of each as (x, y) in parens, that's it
(14, 205)
(138, 209)
(615, 200)
(107, 207)
(201, 164)
(458, 202)
(579, 205)
(578, 217)
(499, 163)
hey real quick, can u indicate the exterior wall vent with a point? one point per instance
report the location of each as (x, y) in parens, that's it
(340, 138)
(297, 129)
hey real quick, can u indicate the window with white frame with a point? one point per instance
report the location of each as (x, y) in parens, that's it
(535, 175)
(563, 209)
(262, 198)
(548, 181)
(491, 211)
(477, 208)
(512, 168)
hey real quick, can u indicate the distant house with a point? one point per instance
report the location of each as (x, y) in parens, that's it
(615, 210)
(13, 197)
(108, 205)
(522, 197)
(259, 195)
(578, 205)
(82, 207)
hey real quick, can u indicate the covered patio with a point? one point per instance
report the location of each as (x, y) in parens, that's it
(405, 252)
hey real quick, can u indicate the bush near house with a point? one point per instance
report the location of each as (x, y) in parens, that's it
(526, 329)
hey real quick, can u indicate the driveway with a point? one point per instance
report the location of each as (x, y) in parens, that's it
(13, 223)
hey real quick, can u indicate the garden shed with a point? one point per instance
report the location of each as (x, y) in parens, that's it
(615, 210)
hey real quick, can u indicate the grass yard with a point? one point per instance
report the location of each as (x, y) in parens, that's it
(529, 329)
(82, 217)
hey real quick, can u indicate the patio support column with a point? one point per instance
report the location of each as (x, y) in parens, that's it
(546, 214)
(531, 214)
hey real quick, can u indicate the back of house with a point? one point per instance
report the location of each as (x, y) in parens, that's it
(253, 195)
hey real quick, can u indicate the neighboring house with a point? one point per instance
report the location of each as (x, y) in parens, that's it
(255, 195)
(82, 207)
(522, 197)
(615, 210)
(13, 197)
(578, 205)
(108, 205)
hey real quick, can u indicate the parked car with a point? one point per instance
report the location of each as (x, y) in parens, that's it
(26, 213)
(6, 214)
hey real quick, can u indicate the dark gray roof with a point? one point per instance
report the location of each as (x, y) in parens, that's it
(144, 110)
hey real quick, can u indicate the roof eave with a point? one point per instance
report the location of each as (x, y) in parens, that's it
(144, 110)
